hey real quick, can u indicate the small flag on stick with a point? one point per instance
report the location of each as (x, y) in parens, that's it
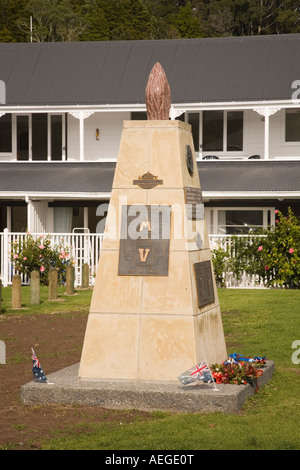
(38, 373)
(200, 371)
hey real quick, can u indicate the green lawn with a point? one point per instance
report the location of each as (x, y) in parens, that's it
(256, 322)
(64, 303)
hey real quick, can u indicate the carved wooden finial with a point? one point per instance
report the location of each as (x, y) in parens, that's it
(158, 94)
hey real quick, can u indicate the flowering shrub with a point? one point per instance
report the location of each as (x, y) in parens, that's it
(280, 255)
(273, 256)
(220, 259)
(37, 254)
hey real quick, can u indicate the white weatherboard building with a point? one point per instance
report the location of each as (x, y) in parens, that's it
(65, 103)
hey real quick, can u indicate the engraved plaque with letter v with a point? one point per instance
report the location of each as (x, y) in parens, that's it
(145, 240)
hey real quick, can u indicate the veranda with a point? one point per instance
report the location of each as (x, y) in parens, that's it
(86, 248)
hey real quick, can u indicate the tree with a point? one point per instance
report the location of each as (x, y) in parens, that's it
(41, 13)
(53, 20)
(106, 20)
(288, 18)
(187, 23)
(11, 12)
(68, 23)
(6, 35)
(134, 21)
(97, 28)
(116, 20)
(247, 17)
(221, 18)
(163, 13)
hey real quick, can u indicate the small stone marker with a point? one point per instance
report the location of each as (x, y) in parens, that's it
(35, 288)
(70, 277)
(2, 353)
(85, 281)
(16, 295)
(53, 279)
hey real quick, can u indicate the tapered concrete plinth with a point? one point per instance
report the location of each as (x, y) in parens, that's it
(149, 323)
(66, 388)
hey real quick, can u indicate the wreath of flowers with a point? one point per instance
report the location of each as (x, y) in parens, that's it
(239, 370)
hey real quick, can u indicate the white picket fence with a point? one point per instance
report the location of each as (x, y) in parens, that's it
(86, 247)
(245, 281)
(82, 247)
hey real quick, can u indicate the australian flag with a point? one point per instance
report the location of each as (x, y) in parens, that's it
(38, 373)
(200, 371)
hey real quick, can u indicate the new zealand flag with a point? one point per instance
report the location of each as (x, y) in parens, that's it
(38, 373)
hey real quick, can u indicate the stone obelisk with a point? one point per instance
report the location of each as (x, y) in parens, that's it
(155, 309)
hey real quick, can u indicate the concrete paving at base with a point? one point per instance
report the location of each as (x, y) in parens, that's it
(64, 387)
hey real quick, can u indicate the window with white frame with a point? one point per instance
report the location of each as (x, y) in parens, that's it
(223, 131)
(39, 129)
(41, 136)
(5, 133)
(238, 221)
(292, 125)
(193, 120)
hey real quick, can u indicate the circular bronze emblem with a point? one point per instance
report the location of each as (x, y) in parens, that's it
(189, 160)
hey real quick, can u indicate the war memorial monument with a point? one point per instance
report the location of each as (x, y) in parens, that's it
(155, 310)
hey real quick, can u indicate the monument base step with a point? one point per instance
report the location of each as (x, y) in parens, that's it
(64, 387)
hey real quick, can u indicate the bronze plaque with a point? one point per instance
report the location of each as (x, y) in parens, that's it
(145, 240)
(204, 283)
(189, 160)
(147, 181)
(194, 201)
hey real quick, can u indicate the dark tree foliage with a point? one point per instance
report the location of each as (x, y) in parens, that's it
(107, 20)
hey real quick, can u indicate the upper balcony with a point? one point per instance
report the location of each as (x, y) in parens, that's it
(224, 134)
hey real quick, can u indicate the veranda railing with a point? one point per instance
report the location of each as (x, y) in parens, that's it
(86, 247)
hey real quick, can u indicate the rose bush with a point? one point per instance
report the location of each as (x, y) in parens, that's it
(281, 253)
(37, 254)
(220, 259)
(273, 256)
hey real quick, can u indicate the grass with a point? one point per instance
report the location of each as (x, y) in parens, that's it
(256, 322)
(264, 322)
(80, 301)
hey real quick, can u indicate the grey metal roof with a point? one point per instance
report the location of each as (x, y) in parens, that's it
(199, 70)
(250, 176)
(215, 176)
(56, 177)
